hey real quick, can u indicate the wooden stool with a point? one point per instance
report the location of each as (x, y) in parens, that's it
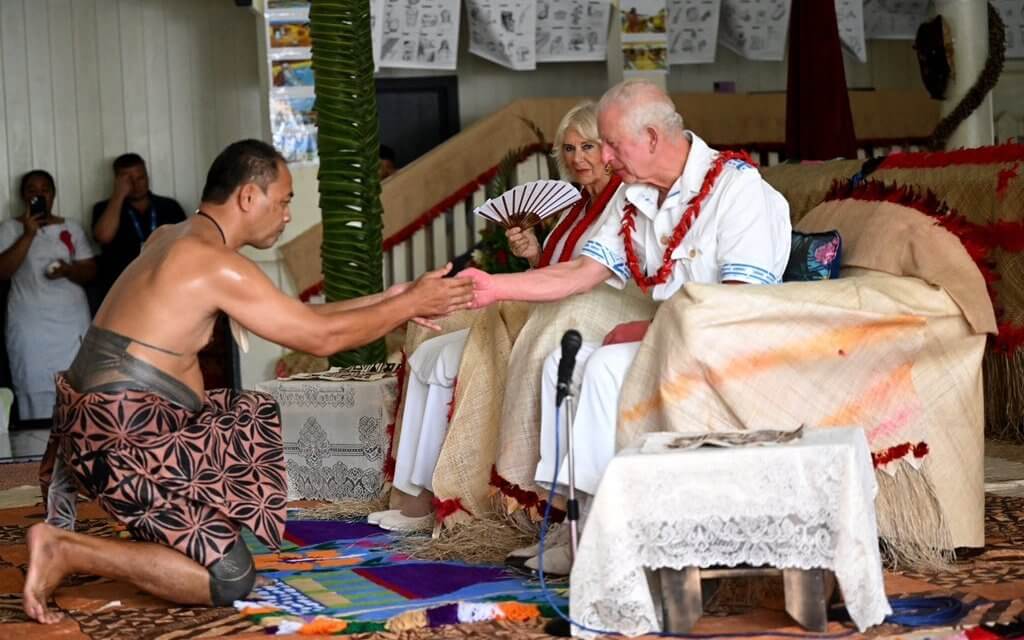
(807, 592)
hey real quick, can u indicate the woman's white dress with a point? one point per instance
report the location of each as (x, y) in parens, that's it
(46, 319)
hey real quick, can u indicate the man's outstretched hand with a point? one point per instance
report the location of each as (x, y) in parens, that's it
(436, 295)
(485, 292)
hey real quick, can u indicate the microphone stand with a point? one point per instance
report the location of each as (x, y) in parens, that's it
(571, 343)
(572, 512)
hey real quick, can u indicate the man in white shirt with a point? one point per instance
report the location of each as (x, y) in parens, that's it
(689, 214)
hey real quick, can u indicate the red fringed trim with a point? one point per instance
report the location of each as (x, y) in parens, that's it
(389, 458)
(445, 508)
(981, 155)
(451, 403)
(896, 452)
(978, 240)
(1008, 236)
(311, 291)
(1010, 339)
(461, 194)
(1003, 180)
(526, 498)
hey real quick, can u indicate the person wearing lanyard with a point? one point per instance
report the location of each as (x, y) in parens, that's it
(123, 223)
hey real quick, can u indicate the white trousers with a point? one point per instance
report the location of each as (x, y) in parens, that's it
(429, 394)
(597, 381)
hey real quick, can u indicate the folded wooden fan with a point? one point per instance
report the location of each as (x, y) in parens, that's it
(528, 204)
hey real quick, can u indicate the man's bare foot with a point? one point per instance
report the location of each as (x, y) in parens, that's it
(46, 568)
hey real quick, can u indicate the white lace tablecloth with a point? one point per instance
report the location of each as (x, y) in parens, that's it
(807, 504)
(335, 434)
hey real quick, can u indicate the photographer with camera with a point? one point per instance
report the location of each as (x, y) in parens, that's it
(48, 260)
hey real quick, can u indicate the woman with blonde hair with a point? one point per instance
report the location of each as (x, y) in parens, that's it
(435, 364)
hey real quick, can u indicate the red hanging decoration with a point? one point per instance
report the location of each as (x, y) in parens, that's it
(682, 228)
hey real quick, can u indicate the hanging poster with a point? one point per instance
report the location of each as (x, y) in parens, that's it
(420, 34)
(293, 127)
(755, 29)
(376, 30)
(644, 26)
(504, 32)
(572, 30)
(693, 30)
(291, 73)
(1012, 13)
(894, 19)
(850, 15)
(289, 33)
(292, 93)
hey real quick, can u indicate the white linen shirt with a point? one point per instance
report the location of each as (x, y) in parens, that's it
(743, 232)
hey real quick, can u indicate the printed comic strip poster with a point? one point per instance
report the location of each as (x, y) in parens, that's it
(1012, 13)
(894, 19)
(504, 32)
(572, 30)
(755, 29)
(693, 30)
(850, 15)
(420, 34)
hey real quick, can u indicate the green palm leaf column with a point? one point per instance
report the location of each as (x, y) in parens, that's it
(346, 105)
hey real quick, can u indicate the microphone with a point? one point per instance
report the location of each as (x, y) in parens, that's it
(571, 342)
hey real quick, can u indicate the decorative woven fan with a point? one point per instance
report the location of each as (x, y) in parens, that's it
(526, 205)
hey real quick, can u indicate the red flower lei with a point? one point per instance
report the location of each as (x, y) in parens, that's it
(682, 228)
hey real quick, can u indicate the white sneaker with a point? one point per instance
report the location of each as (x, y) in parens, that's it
(398, 522)
(524, 553)
(375, 517)
(557, 561)
(556, 536)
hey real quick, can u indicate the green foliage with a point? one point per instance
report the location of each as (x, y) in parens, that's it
(492, 251)
(346, 106)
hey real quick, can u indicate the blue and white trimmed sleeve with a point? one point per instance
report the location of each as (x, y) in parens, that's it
(753, 230)
(607, 246)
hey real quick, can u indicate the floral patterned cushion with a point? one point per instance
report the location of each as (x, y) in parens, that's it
(814, 256)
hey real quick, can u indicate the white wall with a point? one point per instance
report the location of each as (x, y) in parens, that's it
(86, 80)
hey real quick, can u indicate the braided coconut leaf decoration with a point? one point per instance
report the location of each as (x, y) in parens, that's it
(346, 105)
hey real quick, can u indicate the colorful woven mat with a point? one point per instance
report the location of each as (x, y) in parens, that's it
(344, 577)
